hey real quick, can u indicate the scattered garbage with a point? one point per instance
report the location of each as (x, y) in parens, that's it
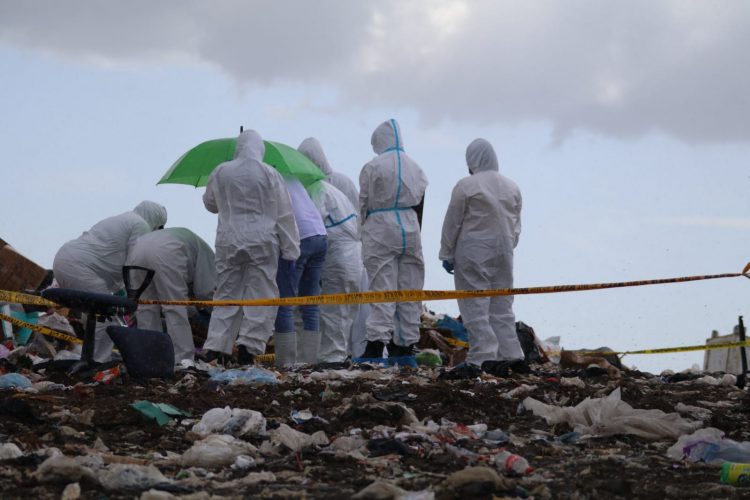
(233, 421)
(14, 381)
(9, 450)
(510, 462)
(295, 440)
(709, 445)
(610, 415)
(128, 477)
(251, 376)
(735, 474)
(216, 450)
(366, 431)
(476, 481)
(162, 413)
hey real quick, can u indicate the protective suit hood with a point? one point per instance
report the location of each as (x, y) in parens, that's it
(311, 148)
(480, 157)
(387, 136)
(153, 213)
(250, 146)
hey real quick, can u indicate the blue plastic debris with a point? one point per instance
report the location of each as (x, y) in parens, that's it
(456, 327)
(14, 381)
(252, 376)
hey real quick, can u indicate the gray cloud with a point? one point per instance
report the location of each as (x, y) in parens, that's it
(622, 69)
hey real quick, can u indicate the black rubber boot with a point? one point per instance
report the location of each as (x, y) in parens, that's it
(374, 349)
(219, 357)
(400, 350)
(245, 357)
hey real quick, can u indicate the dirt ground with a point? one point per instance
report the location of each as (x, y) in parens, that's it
(621, 466)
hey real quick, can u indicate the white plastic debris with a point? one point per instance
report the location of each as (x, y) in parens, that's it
(380, 490)
(232, 421)
(9, 450)
(71, 492)
(131, 477)
(695, 412)
(62, 469)
(295, 440)
(572, 382)
(216, 450)
(610, 415)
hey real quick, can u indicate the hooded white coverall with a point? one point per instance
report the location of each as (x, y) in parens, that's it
(390, 185)
(340, 181)
(255, 224)
(93, 261)
(342, 271)
(181, 260)
(480, 231)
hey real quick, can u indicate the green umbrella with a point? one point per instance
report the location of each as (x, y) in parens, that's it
(194, 167)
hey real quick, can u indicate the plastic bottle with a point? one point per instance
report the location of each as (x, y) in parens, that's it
(510, 462)
(735, 474)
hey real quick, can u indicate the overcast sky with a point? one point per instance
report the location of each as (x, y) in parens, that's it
(624, 123)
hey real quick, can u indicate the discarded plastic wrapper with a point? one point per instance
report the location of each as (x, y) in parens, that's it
(216, 450)
(710, 446)
(162, 413)
(252, 376)
(14, 381)
(233, 421)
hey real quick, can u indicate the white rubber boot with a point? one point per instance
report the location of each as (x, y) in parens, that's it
(309, 344)
(285, 345)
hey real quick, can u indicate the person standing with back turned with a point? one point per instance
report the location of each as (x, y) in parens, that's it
(256, 224)
(480, 231)
(391, 197)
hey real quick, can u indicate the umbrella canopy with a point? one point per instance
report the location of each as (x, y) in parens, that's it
(194, 167)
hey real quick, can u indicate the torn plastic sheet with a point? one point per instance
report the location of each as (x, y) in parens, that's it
(610, 415)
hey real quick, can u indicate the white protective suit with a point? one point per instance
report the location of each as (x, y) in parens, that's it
(340, 181)
(93, 261)
(390, 185)
(182, 260)
(256, 222)
(480, 231)
(342, 270)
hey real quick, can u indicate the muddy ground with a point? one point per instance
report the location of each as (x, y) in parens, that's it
(612, 467)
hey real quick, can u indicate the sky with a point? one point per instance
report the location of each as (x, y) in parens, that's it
(625, 124)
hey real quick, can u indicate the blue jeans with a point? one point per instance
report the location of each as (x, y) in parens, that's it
(303, 281)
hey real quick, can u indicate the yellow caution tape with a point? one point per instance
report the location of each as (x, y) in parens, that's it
(389, 296)
(426, 295)
(666, 350)
(40, 329)
(25, 298)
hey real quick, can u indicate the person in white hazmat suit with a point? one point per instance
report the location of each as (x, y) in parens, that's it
(392, 189)
(481, 228)
(340, 181)
(93, 261)
(342, 271)
(182, 262)
(256, 224)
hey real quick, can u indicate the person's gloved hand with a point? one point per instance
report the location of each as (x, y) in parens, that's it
(448, 266)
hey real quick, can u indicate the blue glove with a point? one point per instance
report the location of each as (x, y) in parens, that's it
(448, 266)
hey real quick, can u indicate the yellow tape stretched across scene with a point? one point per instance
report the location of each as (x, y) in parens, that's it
(40, 329)
(427, 295)
(25, 298)
(391, 295)
(663, 350)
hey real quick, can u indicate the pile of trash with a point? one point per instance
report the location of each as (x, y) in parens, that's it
(584, 426)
